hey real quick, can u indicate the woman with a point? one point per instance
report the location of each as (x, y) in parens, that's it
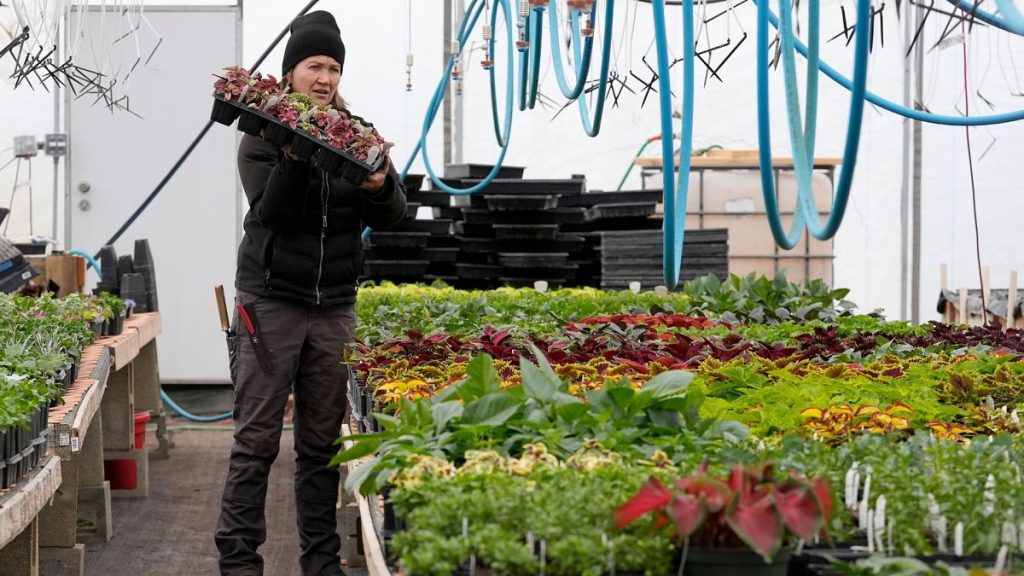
(297, 268)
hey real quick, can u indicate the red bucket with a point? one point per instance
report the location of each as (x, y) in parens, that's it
(122, 474)
(141, 418)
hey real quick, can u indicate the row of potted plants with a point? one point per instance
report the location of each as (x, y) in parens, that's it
(41, 340)
(635, 438)
(334, 139)
(388, 311)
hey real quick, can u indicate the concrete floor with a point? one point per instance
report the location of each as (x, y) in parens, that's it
(171, 533)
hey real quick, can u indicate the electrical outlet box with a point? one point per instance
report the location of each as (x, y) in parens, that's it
(56, 145)
(25, 146)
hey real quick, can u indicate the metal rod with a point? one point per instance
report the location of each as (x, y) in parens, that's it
(908, 30)
(448, 9)
(915, 279)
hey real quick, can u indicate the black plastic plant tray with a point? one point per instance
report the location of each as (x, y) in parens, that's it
(444, 241)
(615, 225)
(396, 268)
(474, 230)
(428, 226)
(479, 171)
(619, 211)
(571, 244)
(252, 121)
(441, 255)
(449, 279)
(525, 231)
(477, 271)
(553, 216)
(441, 269)
(447, 213)
(224, 112)
(534, 260)
(431, 198)
(379, 253)
(595, 197)
(413, 183)
(411, 209)
(553, 283)
(517, 202)
(531, 187)
(342, 164)
(563, 272)
(399, 239)
(478, 245)
(478, 258)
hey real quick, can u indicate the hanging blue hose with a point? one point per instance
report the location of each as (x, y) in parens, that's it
(986, 17)
(593, 127)
(675, 193)
(531, 69)
(582, 66)
(438, 99)
(897, 108)
(803, 144)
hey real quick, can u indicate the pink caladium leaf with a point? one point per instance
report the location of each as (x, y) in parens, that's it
(652, 496)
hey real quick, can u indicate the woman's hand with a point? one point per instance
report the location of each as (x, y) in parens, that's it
(374, 182)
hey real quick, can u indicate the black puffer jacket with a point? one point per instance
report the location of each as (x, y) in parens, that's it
(302, 231)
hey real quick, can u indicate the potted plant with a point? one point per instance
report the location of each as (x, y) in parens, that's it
(114, 313)
(736, 525)
(228, 87)
(356, 148)
(288, 111)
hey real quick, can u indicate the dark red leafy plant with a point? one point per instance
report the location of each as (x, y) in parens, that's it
(754, 507)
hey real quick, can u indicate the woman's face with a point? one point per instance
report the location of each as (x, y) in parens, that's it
(318, 77)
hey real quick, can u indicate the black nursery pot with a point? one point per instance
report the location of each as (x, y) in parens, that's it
(224, 112)
(304, 146)
(277, 134)
(340, 164)
(115, 326)
(251, 121)
(724, 562)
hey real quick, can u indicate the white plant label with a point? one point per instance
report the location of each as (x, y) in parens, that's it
(958, 539)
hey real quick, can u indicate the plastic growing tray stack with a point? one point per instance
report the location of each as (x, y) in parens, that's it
(414, 250)
(512, 233)
(636, 256)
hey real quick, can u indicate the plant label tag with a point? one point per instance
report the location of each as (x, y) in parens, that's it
(74, 444)
(958, 539)
(63, 439)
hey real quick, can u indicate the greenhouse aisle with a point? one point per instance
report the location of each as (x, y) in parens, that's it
(171, 533)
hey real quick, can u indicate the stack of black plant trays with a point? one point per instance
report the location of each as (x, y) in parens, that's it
(627, 256)
(414, 250)
(133, 279)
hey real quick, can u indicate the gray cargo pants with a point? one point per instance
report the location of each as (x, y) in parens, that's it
(305, 345)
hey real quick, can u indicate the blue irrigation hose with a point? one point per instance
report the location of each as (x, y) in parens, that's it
(88, 258)
(803, 145)
(593, 127)
(192, 417)
(582, 66)
(536, 43)
(986, 17)
(675, 192)
(1011, 16)
(438, 99)
(897, 108)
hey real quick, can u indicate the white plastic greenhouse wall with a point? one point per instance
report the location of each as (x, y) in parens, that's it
(867, 247)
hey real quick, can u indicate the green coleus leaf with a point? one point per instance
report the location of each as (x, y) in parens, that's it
(492, 409)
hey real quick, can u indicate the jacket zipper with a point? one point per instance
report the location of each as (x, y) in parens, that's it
(324, 198)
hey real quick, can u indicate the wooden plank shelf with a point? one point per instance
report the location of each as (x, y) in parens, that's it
(372, 549)
(70, 420)
(20, 506)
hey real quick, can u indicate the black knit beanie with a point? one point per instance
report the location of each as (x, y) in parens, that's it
(313, 34)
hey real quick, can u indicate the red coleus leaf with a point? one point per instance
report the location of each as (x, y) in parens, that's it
(754, 518)
(800, 511)
(823, 492)
(688, 513)
(652, 496)
(716, 494)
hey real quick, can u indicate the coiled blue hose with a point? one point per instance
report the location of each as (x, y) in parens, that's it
(675, 193)
(1011, 16)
